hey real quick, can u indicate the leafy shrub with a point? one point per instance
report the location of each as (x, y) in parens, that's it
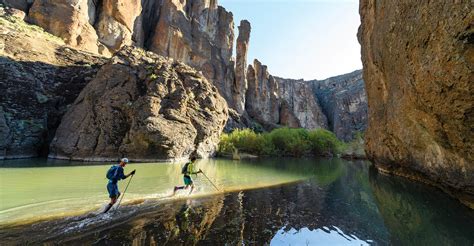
(292, 142)
(282, 141)
(324, 142)
(244, 140)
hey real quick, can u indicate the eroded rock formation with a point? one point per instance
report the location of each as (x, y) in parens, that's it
(344, 102)
(418, 67)
(144, 106)
(240, 85)
(70, 20)
(198, 33)
(262, 102)
(300, 107)
(39, 79)
(338, 104)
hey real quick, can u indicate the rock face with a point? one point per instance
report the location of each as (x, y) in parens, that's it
(418, 61)
(273, 101)
(344, 102)
(119, 23)
(262, 103)
(300, 107)
(39, 79)
(240, 85)
(71, 20)
(338, 104)
(198, 33)
(144, 106)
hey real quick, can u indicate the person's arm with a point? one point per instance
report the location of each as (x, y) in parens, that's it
(120, 174)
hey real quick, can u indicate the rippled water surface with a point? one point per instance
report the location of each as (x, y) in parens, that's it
(272, 201)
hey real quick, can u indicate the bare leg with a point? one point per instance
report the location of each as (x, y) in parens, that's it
(192, 188)
(178, 188)
(112, 202)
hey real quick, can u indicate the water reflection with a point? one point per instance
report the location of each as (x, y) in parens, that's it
(339, 204)
(323, 236)
(413, 212)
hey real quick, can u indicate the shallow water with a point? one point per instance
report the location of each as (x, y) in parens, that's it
(304, 202)
(40, 190)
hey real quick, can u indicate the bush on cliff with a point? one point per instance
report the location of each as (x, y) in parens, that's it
(282, 142)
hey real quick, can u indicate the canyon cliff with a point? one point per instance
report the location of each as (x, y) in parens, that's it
(418, 60)
(338, 103)
(197, 33)
(344, 102)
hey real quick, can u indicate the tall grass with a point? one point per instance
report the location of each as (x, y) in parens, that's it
(281, 142)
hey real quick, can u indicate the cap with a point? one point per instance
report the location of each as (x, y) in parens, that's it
(124, 160)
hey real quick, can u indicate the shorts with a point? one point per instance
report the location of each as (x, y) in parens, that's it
(113, 190)
(187, 180)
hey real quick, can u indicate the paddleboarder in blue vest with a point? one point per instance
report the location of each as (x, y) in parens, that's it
(187, 170)
(115, 174)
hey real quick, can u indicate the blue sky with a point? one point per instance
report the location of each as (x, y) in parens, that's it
(310, 39)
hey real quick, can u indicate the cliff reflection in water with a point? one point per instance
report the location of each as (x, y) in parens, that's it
(414, 212)
(343, 203)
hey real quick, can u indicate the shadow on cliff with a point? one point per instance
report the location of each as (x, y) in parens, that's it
(35, 97)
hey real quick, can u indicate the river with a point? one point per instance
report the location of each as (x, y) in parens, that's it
(269, 201)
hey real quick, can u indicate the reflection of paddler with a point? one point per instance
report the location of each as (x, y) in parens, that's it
(187, 170)
(182, 217)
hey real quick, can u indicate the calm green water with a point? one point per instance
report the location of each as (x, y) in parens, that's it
(274, 201)
(41, 190)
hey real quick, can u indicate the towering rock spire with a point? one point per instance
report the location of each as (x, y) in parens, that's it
(240, 84)
(262, 102)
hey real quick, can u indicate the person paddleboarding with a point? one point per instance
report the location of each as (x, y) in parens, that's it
(114, 174)
(187, 170)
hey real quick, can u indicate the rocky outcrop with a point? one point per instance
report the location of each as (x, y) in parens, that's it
(119, 23)
(300, 107)
(344, 102)
(144, 106)
(200, 34)
(418, 63)
(338, 104)
(70, 20)
(39, 79)
(262, 103)
(274, 102)
(240, 85)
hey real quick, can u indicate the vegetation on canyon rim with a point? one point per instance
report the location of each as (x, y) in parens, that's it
(282, 142)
